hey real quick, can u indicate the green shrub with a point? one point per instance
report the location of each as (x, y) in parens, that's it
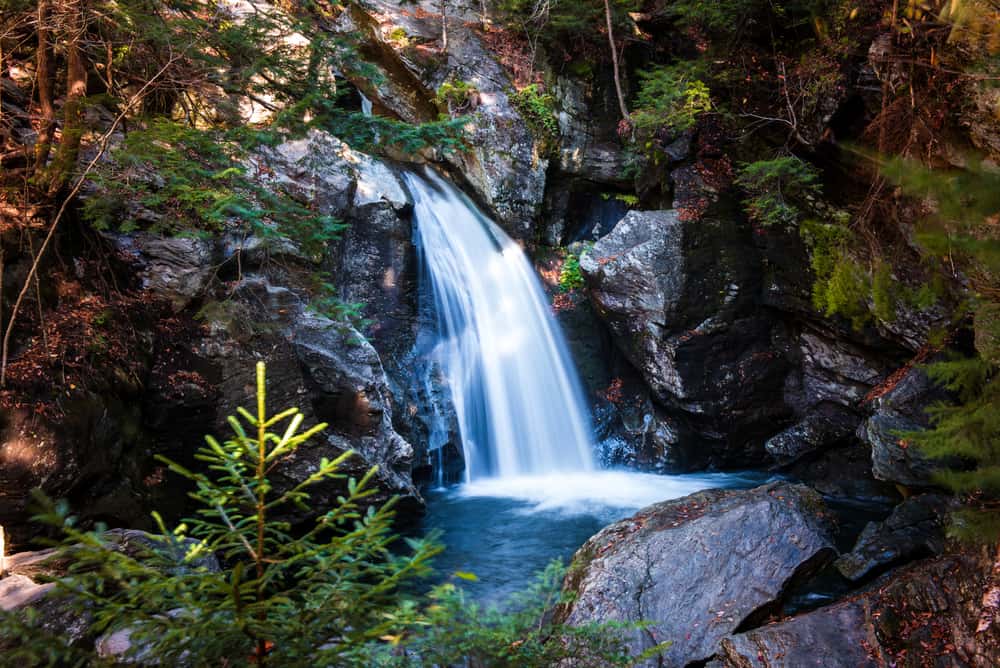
(669, 101)
(318, 595)
(538, 109)
(456, 97)
(571, 276)
(336, 591)
(778, 190)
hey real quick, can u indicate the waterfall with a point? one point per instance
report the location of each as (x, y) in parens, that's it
(516, 395)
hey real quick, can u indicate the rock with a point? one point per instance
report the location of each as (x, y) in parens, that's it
(698, 567)
(924, 614)
(824, 427)
(502, 162)
(18, 591)
(901, 409)
(327, 369)
(177, 269)
(58, 613)
(835, 370)
(679, 296)
(312, 170)
(914, 529)
(636, 277)
(833, 637)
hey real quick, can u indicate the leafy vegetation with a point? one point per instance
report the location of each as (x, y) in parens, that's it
(778, 190)
(538, 109)
(669, 101)
(456, 97)
(331, 592)
(571, 276)
(962, 230)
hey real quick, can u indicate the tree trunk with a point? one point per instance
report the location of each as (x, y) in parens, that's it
(76, 89)
(44, 76)
(444, 26)
(614, 63)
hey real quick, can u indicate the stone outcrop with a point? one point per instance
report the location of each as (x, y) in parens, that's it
(502, 164)
(699, 567)
(899, 410)
(914, 529)
(925, 614)
(679, 296)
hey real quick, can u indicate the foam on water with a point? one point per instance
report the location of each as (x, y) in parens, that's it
(587, 492)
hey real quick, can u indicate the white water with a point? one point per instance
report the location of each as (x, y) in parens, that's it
(518, 400)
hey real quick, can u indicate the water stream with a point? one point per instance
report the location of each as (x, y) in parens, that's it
(532, 491)
(515, 392)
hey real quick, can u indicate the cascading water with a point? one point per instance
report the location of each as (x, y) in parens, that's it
(516, 395)
(531, 492)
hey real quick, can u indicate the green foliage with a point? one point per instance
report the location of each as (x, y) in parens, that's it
(196, 181)
(571, 277)
(628, 199)
(316, 596)
(669, 101)
(841, 285)
(461, 632)
(456, 96)
(967, 430)
(538, 109)
(778, 190)
(733, 17)
(560, 23)
(330, 592)
(327, 302)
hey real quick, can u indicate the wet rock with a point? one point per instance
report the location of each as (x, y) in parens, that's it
(679, 296)
(924, 614)
(826, 426)
(899, 410)
(835, 370)
(914, 529)
(698, 567)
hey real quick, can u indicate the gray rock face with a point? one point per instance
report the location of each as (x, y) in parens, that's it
(834, 637)
(823, 427)
(175, 268)
(326, 369)
(698, 567)
(936, 601)
(679, 296)
(900, 410)
(835, 371)
(636, 276)
(503, 164)
(915, 528)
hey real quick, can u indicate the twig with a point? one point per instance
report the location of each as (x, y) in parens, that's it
(103, 145)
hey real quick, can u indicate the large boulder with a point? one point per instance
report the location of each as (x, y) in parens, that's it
(898, 409)
(679, 295)
(327, 369)
(699, 567)
(914, 529)
(924, 615)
